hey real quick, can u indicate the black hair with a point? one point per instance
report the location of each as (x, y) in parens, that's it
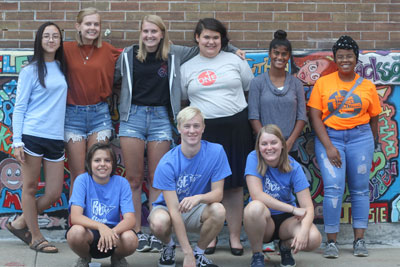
(212, 25)
(280, 40)
(38, 54)
(345, 42)
(100, 146)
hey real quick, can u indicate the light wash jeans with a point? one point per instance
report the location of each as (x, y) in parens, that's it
(356, 148)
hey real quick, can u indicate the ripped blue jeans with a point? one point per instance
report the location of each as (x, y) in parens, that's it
(356, 148)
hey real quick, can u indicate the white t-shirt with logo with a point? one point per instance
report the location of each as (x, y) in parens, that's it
(216, 85)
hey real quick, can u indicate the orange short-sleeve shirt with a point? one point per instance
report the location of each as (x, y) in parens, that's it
(90, 81)
(329, 92)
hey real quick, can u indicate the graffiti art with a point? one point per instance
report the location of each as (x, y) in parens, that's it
(381, 67)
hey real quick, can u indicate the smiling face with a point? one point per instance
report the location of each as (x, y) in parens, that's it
(151, 36)
(191, 131)
(279, 57)
(346, 61)
(101, 166)
(312, 70)
(51, 39)
(11, 174)
(89, 28)
(209, 43)
(270, 147)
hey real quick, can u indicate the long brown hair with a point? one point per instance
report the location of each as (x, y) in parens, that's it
(283, 164)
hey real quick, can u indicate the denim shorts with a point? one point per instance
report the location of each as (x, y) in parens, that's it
(82, 121)
(148, 123)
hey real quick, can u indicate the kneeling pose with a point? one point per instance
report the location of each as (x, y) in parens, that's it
(191, 177)
(98, 200)
(271, 176)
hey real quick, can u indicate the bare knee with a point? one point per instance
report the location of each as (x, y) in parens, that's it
(135, 181)
(256, 210)
(77, 234)
(160, 222)
(217, 213)
(314, 239)
(129, 242)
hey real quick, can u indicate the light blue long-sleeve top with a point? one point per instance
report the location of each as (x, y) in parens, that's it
(40, 111)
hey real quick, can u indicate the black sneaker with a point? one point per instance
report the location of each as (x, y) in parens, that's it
(167, 258)
(286, 256)
(202, 261)
(143, 245)
(257, 260)
(155, 244)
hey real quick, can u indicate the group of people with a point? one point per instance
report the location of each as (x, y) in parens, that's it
(62, 102)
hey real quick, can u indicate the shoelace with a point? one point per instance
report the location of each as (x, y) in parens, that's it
(202, 259)
(142, 237)
(168, 253)
(359, 242)
(258, 259)
(154, 239)
(331, 245)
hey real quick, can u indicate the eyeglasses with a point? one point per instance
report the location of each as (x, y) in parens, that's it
(48, 37)
(343, 57)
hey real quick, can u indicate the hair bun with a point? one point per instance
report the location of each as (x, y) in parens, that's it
(280, 34)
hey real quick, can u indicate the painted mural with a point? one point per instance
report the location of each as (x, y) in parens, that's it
(381, 67)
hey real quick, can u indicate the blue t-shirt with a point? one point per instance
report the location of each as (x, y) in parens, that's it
(102, 202)
(277, 184)
(189, 177)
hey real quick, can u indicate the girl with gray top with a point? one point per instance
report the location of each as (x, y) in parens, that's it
(276, 97)
(149, 74)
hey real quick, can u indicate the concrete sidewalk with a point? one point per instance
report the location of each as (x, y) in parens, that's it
(15, 253)
(383, 245)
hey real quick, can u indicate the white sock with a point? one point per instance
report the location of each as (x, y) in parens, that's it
(171, 243)
(198, 250)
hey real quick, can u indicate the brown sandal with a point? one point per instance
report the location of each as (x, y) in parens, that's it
(40, 245)
(22, 234)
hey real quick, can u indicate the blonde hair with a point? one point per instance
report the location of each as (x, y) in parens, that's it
(283, 163)
(188, 113)
(163, 47)
(79, 18)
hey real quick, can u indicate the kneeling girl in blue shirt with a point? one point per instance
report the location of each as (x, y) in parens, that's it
(98, 201)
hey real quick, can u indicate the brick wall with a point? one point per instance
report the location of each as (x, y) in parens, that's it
(375, 24)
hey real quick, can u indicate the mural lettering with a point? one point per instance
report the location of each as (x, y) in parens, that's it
(381, 67)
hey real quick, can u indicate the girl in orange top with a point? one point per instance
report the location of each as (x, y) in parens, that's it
(344, 143)
(90, 75)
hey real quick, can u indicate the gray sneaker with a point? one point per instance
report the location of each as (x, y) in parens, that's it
(82, 262)
(155, 244)
(144, 244)
(359, 248)
(331, 250)
(118, 262)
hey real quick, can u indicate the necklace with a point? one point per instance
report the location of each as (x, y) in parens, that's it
(85, 57)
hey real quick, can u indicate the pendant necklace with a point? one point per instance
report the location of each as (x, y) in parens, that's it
(85, 57)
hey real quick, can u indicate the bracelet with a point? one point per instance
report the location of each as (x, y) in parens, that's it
(17, 144)
(293, 209)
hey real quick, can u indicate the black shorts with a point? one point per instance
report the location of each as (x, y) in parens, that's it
(278, 220)
(94, 251)
(49, 149)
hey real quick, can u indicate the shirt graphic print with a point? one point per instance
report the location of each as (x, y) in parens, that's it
(350, 109)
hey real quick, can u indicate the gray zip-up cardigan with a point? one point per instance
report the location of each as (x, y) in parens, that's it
(176, 57)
